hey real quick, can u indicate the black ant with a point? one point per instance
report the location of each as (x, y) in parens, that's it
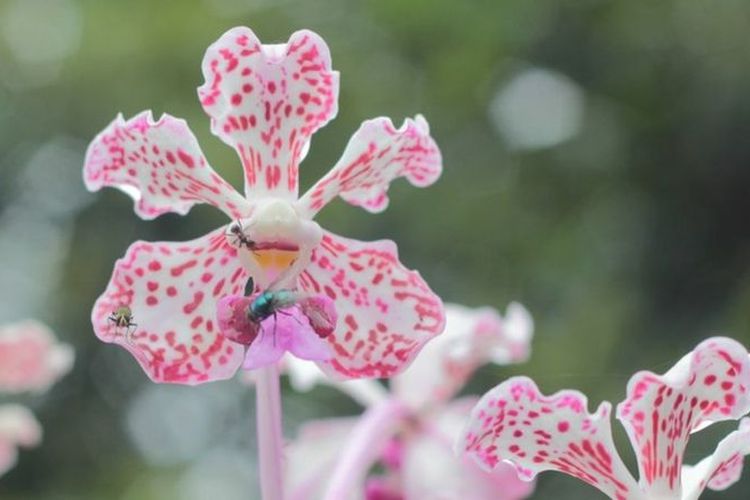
(238, 238)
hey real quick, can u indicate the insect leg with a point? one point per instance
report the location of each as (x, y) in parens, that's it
(275, 320)
(129, 331)
(293, 317)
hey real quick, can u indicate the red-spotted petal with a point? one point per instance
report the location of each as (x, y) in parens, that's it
(18, 427)
(171, 289)
(31, 359)
(266, 101)
(160, 165)
(660, 411)
(377, 154)
(386, 312)
(516, 423)
(720, 470)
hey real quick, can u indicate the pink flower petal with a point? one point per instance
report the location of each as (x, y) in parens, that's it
(514, 343)
(265, 350)
(307, 344)
(289, 331)
(514, 422)
(384, 488)
(720, 470)
(31, 359)
(386, 312)
(432, 470)
(712, 383)
(160, 165)
(377, 154)
(18, 427)
(312, 456)
(472, 338)
(172, 290)
(266, 101)
(8, 456)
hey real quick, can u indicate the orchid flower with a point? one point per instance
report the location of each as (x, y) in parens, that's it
(31, 360)
(517, 424)
(175, 306)
(410, 430)
(265, 101)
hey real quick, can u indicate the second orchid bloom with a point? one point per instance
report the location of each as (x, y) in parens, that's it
(409, 430)
(517, 424)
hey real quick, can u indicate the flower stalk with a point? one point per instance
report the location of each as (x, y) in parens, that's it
(268, 423)
(363, 449)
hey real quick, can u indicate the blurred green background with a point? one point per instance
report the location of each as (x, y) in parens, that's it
(597, 168)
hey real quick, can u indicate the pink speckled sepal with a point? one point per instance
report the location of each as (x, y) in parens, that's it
(377, 154)
(160, 165)
(386, 312)
(266, 101)
(721, 469)
(515, 422)
(171, 290)
(660, 411)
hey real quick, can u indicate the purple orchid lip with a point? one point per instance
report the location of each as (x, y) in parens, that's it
(299, 328)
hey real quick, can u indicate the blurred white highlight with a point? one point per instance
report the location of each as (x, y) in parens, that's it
(538, 108)
(41, 31)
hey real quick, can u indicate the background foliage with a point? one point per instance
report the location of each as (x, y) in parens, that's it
(612, 199)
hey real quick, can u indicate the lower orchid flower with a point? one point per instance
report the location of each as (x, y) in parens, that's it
(31, 360)
(409, 431)
(516, 424)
